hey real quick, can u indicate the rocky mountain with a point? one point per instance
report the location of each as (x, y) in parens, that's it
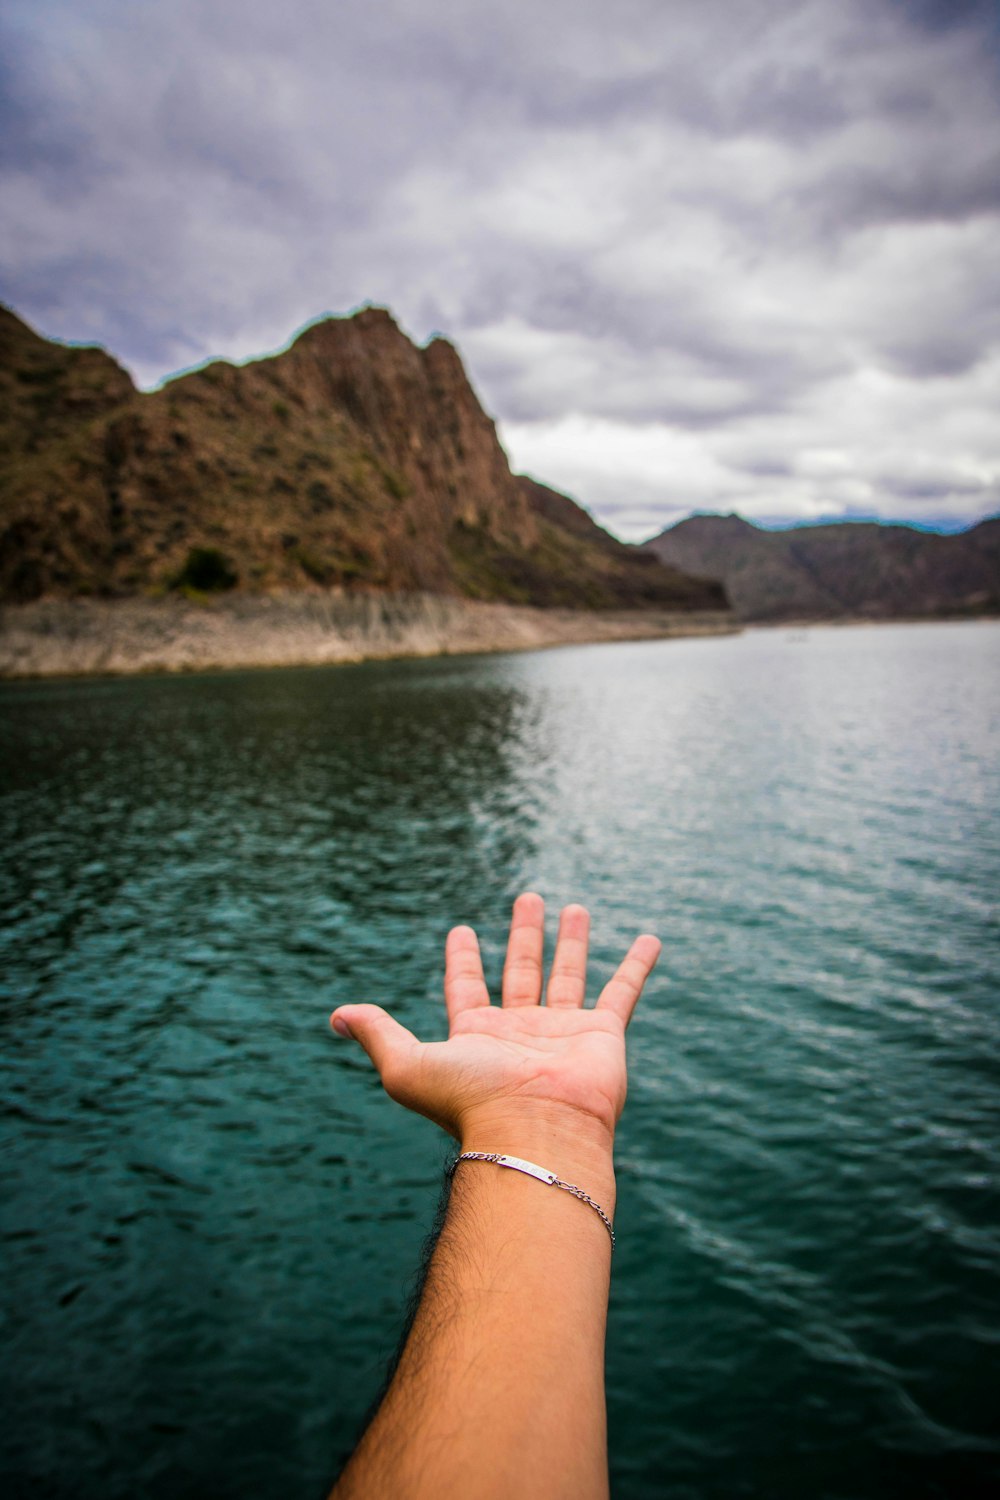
(354, 458)
(854, 570)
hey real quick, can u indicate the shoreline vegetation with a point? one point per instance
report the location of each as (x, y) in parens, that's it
(86, 638)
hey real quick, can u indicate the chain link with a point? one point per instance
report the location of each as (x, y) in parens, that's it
(473, 1156)
(586, 1198)
(568, 1187)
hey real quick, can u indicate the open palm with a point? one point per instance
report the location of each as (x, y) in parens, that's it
(522, 1054)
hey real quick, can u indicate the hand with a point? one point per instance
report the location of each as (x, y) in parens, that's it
(521, 1063)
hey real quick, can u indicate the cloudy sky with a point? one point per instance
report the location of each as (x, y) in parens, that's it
(697, 254)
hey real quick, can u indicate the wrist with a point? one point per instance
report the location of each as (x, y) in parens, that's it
(578, 1147)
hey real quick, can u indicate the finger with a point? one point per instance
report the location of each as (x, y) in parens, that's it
(522, 971)
(390, 1046)
(464, 984)
(568, 980)
(621, 993)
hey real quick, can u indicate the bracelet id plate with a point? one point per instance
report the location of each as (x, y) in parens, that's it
(520, 1165)
(531, 1169)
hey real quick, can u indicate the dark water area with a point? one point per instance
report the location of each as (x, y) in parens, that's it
(211, 1215)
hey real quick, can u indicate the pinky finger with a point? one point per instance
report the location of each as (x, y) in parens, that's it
(621, 993)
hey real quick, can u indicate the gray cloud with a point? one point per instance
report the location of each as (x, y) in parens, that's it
(696, 255)
(944, 15)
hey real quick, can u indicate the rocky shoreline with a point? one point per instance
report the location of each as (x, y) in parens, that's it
(82, 637)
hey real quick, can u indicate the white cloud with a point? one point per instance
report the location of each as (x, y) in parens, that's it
(892, 458)
(695, 256)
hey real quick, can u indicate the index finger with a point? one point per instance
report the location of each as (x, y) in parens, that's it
(621, 993)
(464, 984)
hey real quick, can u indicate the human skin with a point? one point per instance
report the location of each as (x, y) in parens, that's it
(499, 1391)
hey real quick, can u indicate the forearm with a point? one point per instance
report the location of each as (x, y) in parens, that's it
(500, 1388)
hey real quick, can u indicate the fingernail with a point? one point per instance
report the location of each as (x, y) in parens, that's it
(341, 1027)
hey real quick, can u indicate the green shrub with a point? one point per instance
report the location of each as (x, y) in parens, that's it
(315, 567)
(206, 571)
(321, 495)
(396, 485)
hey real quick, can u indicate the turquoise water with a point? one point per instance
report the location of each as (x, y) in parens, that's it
(211, 1215)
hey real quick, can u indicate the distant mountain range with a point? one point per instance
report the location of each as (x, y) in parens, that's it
(353, 459)
(357, 459)
(850, 570)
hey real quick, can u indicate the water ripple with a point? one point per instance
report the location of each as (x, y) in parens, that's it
(211, 1214)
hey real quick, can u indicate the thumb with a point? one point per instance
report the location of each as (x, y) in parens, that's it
(388, 1044)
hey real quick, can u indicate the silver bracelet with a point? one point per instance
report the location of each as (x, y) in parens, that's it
(519, 1165)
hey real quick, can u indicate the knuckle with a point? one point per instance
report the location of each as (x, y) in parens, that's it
(519, 996)
(522, 965)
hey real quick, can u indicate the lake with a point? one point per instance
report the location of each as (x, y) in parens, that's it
(212, 1215)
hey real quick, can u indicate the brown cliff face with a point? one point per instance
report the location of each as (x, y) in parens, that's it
(50, 395)
(352, 458)
(578, 562)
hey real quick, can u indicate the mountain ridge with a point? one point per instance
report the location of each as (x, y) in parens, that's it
(841, 570)
(351, 459)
